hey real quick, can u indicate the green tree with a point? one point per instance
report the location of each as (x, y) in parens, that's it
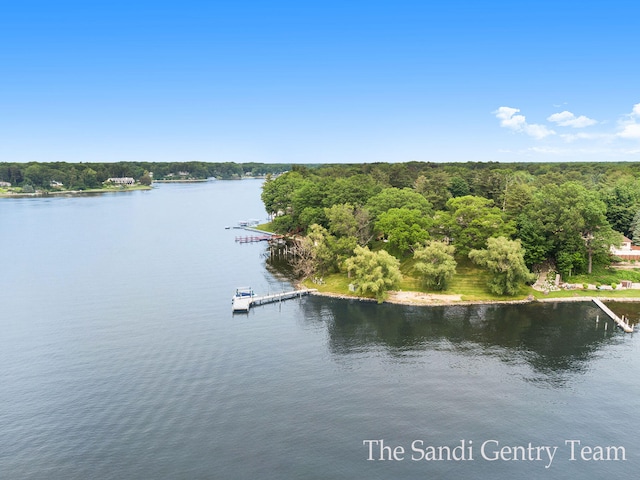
(355, 190)
(277, 193)
(622, 201)
(459, 187)
(433, 187)
(320, 253)
(573, 219)
(403, 228)
(537, 246)
(88, 178)
(435, 264)
(504, 258)
(341, 219)
(37, 175)
(635, 228)
(145, 179)
(471, 220)
(517, 196)
(374, 272)
(398, 198)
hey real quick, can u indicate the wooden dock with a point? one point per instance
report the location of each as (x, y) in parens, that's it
(621, 323)
(244, 303)
(253, 238)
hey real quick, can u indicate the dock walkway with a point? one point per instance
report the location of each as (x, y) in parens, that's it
(243, 304)
(621, 323)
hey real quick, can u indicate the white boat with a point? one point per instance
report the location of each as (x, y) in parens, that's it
(241, 301)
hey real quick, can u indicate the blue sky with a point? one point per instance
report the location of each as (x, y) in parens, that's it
(319, 81)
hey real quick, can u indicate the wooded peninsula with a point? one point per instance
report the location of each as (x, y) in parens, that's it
(489, 230)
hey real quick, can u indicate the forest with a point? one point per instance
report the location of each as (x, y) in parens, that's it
(81, 176)
(509, 219)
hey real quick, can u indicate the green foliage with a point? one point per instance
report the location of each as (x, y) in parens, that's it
(374, 272)
(435, 264)
(80, 176)
(403, 228)
(342, 220)
(320, 253)
(355, 190)
(573, 219)
(517, 196)
(458, 187)
(606, 276)
(283, 224)
(504, 259)
(145, 179)
(635, 228)
(471, 220)
(345, 220)
(537, 246)
(277, 193)
(622, 200)
(434, 188)
(398, 198)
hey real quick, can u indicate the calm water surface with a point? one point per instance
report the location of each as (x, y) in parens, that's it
(120, 359)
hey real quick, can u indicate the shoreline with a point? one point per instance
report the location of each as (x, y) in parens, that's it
(74, 193)
(419, 299)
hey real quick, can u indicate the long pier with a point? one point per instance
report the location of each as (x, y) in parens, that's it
(253, 238)
(621, 323)
(243, 304)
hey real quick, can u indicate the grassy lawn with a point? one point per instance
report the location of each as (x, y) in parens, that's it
(606, 276)
(266, 227)
(470, 282)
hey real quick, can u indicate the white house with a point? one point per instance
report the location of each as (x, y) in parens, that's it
(626, 251)
(121, 180)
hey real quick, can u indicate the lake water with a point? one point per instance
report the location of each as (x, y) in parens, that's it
(120, 359)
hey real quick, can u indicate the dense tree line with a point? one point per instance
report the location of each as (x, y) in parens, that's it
(567, 214)
(79, 176)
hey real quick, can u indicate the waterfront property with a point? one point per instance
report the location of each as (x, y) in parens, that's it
(626, 251)
(121, 180)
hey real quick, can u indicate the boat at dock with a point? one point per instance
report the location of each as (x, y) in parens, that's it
(241, 301)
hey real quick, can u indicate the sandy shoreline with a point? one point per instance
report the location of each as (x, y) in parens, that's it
(432, 299)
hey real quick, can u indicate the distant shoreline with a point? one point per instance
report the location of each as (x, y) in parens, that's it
(74, 193)
(193, 180)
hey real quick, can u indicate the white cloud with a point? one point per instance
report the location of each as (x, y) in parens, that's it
(509, 119)
(572, 137)
(568, 119)
(630, 126)
(614, 138)
(538, 131)
(631, 130)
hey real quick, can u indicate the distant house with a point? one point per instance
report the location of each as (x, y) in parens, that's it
(5, 184)
(626, 251)
(55, 184)
(121, 180)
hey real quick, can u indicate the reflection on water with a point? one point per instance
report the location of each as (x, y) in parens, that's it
(555, 339)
